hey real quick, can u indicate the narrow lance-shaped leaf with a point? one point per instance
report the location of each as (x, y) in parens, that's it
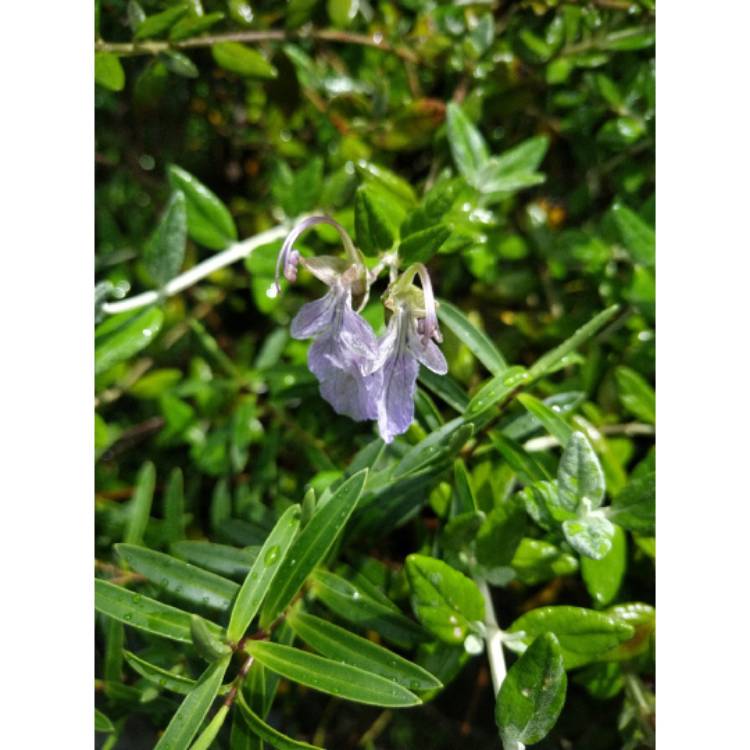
(261, 576)
(266, 732)
(206, 738)
(140, 504)
(144, 613)
(548, 361)
(174, 507)
(331, 677)
(162, 678)
(477, 341)
(208, 219)
(193, 709)
(233, 562)
(181, 579)
(532, 694)
(355, 605)
(341, 645)
(548, 416)
(494, 391)
(312, 545)
(445, 600)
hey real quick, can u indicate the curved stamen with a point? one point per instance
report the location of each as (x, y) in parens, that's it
(429, 327)
(288, 257)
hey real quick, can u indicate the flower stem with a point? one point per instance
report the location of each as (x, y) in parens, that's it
(233, 253)
(493, 639)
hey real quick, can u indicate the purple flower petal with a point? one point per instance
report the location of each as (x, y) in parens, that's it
(314, 317)
(400, 368)
(427, 352)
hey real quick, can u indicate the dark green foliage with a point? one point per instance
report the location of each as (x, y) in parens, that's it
(269, 573)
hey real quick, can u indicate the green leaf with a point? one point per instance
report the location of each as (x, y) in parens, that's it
(522, 463)
(207, 644)
(165, 250)
(637, 236)
(359, 607)
(162, 678)
(266, 732)
(495, 390)
(532, 694)
(636, 395)
(331, 677)
(223, 559)
(464, 497)
(642, 619)
(584, 634)
(634, 508)
(208, 735)
(477, 341)
(421, 246)
(340, 645)
(580, 477)
(342, 12)
(108, 71)
(443, 443)
(242, 60)
(140, 504)
(144, 613)
(525, 157)
(179, 64)
(174, 507)
(466, 142)
(446, 602)
(500, 534)
(189, 716)
(590, 535)
(121, 336)
(537, 561)
(604, 577)
(384, 178)
(547, 362)
(312, 545)
(194, 25)
(181, 579)
(372, 224)
(548, 416)
(102, 723)
(208, 219)
(159, 23)
(261, 576)
(446, 388)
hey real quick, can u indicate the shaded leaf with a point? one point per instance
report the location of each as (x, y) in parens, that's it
(532, 694)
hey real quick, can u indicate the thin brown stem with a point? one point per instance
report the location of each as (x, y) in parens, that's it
(377, 41)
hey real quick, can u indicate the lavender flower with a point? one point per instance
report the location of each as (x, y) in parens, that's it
(344, 344)
(408, 341)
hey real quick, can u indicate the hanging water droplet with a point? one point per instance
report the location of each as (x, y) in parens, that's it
(272, 555)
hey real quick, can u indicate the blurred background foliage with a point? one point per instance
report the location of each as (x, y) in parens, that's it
(294, 120)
